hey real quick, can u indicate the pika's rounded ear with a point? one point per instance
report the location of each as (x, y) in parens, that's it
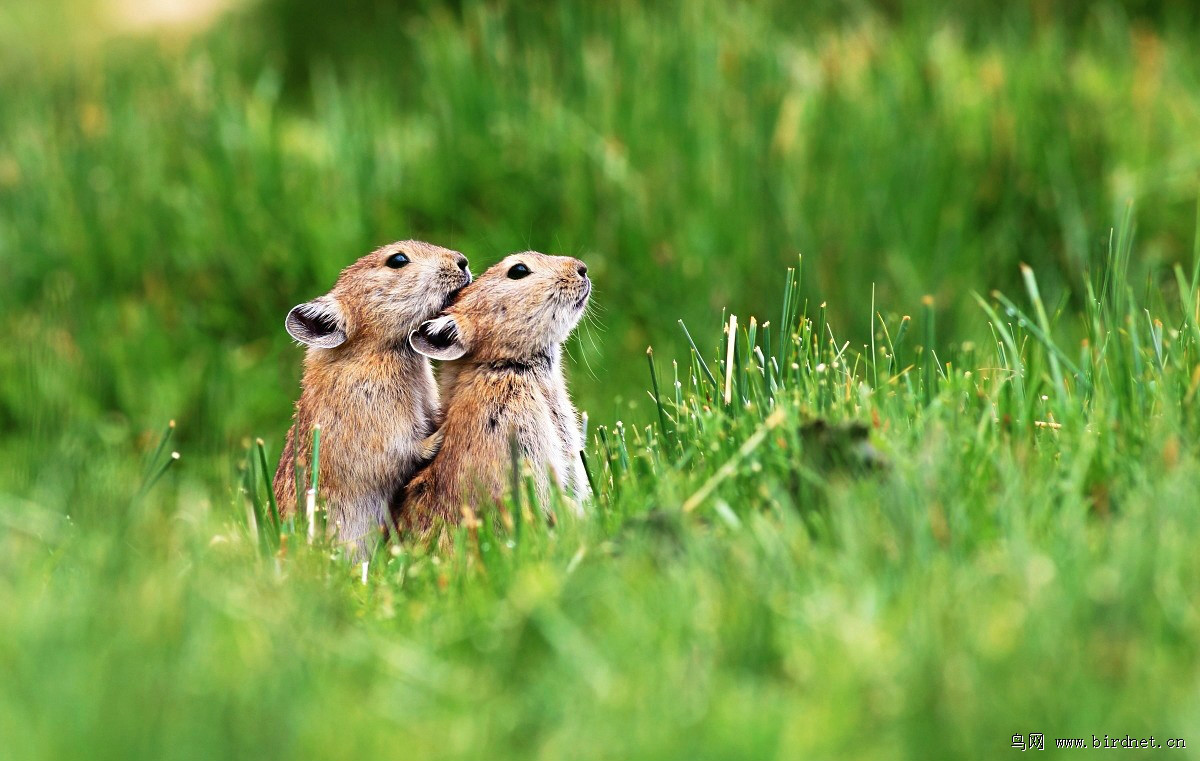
(317, 323)
(439, 338)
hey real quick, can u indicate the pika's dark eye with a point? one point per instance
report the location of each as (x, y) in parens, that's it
(518, 271)
(396, 261)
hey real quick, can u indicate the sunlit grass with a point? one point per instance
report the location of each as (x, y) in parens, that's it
(1010, 549)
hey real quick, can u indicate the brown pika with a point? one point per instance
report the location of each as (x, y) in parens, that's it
(502, 340)
(373, 396)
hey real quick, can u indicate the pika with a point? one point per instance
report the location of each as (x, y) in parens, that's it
(374, 397)
(501, 341)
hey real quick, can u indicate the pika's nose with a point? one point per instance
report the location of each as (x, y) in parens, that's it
(582, 269)
(461, 261)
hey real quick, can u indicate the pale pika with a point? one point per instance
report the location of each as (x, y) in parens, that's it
(501, 340)
(373, 396)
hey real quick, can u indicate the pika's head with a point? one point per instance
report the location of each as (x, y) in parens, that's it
(518, 309)
(383, 296)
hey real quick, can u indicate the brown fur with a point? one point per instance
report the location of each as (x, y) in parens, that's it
(502, 339)
(373, 396)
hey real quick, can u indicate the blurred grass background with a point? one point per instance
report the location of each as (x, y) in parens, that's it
(168, 192)
(173, 177)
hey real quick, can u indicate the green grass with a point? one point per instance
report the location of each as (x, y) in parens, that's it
(1025, 562)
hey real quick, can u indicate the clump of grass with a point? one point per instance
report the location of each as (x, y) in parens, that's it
(161, 206)
(157, 465)
(310, 496)
(1025, 506)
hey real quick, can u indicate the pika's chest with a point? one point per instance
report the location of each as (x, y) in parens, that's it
(533, 413)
